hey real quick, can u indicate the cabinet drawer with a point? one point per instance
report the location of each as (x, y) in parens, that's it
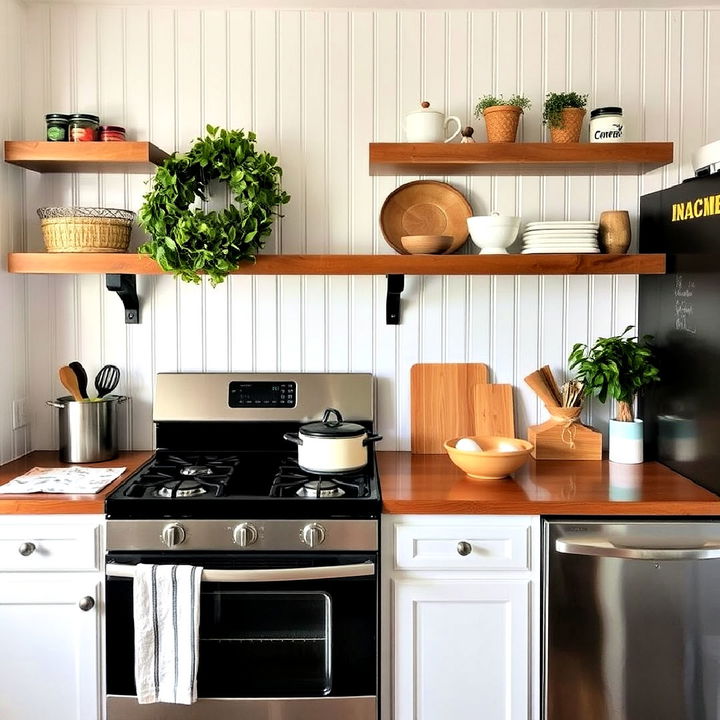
(49, 547)
(462, 547)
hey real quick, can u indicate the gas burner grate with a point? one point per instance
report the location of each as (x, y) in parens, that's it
(292, 481)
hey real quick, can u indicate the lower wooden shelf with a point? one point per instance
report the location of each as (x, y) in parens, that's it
(511, 264)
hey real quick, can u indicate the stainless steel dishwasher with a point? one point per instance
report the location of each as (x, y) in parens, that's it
(631, 620)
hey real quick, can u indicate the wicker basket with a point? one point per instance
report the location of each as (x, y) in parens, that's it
(86, 229)
(501, 122)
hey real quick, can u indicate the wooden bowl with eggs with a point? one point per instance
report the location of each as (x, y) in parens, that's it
(488, 457)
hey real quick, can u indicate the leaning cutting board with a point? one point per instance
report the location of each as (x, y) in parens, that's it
(494, 410)
(442, 403)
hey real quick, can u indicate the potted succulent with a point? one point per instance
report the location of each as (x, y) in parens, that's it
(563, 113)
(501, 116)
(619, 367)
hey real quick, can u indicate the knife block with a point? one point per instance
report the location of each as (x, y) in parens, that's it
(564, 437)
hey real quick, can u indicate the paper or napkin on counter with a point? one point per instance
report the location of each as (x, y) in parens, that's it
(62, 480)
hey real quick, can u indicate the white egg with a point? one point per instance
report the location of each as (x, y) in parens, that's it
(468, 445)
(507, 447)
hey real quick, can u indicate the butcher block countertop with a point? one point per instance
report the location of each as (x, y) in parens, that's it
(431, 484)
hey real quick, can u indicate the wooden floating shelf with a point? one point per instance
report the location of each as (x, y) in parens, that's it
(511, 264)
(75, 157)
(518, 158)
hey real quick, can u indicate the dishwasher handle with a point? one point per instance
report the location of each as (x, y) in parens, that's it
(602, 547)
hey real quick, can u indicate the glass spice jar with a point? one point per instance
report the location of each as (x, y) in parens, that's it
(57, 127)
(83, 128)
(112, 133)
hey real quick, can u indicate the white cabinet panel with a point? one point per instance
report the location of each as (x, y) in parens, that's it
(461, 649)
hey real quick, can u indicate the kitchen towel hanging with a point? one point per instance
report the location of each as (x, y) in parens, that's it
(166, 608)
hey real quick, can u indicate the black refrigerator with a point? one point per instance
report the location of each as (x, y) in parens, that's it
(682, 311)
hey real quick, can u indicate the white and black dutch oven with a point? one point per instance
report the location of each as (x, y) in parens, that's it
(331, 445)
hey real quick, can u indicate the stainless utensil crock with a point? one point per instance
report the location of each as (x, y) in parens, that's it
(87, 430)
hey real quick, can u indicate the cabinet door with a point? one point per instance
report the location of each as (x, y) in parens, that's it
(461, 649)
(49, 653)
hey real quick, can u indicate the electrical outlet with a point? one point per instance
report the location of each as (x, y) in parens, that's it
(19, 417)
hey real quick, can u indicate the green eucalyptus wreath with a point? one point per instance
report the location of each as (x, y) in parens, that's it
(187, 240)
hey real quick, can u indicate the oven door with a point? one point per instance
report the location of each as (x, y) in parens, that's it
(282, 635)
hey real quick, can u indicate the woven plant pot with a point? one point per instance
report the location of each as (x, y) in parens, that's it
(67, 230)
(569, 132)
(501, 122)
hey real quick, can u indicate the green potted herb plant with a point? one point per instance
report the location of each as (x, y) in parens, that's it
(501, 116)
(189, 240)
(619, 367)
(563, 113)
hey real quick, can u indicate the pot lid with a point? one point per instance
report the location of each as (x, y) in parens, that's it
(425, 109)
(332, 427)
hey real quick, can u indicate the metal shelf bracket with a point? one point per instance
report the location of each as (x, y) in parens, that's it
(126, 288)
(395, 287)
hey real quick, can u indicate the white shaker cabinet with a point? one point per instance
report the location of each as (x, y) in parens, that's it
(51, 596)
(460, 617)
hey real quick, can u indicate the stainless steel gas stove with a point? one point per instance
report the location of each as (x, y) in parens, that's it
(289, 602)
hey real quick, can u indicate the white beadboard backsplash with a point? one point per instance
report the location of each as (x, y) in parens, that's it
(317, 87)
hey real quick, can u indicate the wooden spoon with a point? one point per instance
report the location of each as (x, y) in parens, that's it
(69, 379)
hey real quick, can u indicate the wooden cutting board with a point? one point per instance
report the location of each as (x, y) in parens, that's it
(494, 410)
(442, 403)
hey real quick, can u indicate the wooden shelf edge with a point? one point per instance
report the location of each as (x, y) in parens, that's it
(511, 264)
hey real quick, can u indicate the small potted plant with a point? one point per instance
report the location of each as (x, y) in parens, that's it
(620, 367)
(501, 116)
(563, 113)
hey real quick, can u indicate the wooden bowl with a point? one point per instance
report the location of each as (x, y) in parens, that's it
(499, 456)
(425, 207)
(426, 244)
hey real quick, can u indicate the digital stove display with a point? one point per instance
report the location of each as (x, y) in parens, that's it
(262, 394)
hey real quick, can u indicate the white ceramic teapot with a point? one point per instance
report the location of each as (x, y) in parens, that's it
(429, 125)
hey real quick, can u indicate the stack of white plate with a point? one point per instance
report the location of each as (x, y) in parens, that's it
(561, 237)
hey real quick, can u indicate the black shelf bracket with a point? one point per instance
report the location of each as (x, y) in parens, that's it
(126, 288)
(395, 286)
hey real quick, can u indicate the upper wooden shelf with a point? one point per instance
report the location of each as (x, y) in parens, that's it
(518, 158)
(74, 157)
(86, 263)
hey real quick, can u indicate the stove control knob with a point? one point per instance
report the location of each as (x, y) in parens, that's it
(245, 534)
(313, 534)
(173, 535)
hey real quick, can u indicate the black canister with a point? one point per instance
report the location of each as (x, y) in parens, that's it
(57, 127)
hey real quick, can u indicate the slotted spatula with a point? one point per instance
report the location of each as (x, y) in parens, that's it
(106, 380)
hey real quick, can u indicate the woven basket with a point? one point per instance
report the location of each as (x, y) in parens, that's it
(501, 122)
(101, 230)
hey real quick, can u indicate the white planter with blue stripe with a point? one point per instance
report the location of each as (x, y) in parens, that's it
(626, 441)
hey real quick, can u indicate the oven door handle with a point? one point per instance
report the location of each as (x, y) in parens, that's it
(276, 575)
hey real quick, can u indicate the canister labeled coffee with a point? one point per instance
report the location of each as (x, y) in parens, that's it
(606, 125)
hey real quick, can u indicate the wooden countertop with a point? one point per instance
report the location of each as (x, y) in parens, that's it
(431, 484)
(53, 503)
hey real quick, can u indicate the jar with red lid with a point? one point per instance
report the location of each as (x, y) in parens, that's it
(112, 133)
(83, 128)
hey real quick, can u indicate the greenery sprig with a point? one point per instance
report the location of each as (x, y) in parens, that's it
(487, 101)
(556, 102)
(188, 240)
(617, 366)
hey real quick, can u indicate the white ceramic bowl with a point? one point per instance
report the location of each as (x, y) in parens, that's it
(493, 233)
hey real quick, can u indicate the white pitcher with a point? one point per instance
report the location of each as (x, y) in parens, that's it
(429, 125)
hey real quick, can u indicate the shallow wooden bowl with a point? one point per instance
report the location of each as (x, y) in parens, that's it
(499, 456)
(426, 244)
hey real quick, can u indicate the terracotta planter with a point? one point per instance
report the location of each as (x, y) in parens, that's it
(501, 122)
(569, 132)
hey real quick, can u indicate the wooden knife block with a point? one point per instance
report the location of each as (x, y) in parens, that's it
(551, 441)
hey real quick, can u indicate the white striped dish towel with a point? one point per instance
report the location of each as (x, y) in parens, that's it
(166, 608)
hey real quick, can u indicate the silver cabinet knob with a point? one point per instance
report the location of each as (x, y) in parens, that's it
(245, 534)
(27, 548)
(464, 548)
(173, 535)
(86, 603)
(313, 535)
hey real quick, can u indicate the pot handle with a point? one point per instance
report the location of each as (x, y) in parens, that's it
(332, 423)
(52, 403)
(371, 439)
(293, 438)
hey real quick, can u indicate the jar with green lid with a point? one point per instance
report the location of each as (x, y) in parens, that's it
(83, 128)
(57, 127)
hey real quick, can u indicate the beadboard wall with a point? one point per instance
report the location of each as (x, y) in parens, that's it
(13, 442)
(317, 87)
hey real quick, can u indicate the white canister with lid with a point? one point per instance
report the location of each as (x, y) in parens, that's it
(606, 125)
(427, 125)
